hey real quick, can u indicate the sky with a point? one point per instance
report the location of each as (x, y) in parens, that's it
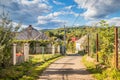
(50, 14)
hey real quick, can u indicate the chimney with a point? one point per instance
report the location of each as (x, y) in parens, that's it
(29, 31)
(30, 26)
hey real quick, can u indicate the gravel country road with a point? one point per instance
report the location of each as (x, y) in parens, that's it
(67, 68)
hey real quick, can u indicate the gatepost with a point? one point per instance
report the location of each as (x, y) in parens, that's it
(58, 48)
(26, 51)
(53, 49)
(14, 54)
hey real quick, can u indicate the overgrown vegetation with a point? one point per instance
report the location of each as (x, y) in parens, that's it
(100, 72)
(105, 68)
(6, 40)
(28, 70)
(105, 42)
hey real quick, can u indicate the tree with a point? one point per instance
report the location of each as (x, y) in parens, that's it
(6, 40)
(106, 42)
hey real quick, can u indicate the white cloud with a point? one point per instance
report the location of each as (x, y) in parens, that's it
(21, 25)
(68, 10)
(69, 7)
(73, 13)
(76, 25)
(26, 2)
(92, 23)
(57, 3)
(112, 21)
(98, 8)
(51, 20)
(54, 17)
(25, 10)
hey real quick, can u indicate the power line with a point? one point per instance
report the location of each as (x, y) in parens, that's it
(75, 20)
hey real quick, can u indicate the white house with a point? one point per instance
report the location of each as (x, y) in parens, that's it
(80, 43)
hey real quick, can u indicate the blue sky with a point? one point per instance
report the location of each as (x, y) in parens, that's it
(47, 14)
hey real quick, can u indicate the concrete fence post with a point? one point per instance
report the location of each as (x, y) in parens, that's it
(14, 54)
(53, 49)
(26, 51)
(58, 48)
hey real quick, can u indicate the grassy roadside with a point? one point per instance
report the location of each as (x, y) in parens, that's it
(27, 71)
(101, 73)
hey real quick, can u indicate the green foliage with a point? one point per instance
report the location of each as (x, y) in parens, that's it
(40, 42)
(105, 41)
(70, 32)
(90, 65)
(106, 36)
(71, 47)
(28, 70)
(6, 38)
(82, 52)
(101, 73)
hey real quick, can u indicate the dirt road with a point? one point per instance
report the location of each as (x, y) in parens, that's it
(67, 68)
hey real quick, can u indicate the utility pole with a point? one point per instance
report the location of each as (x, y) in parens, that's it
(116, 47)
(97, 47)
(88, 46)
(64, 40)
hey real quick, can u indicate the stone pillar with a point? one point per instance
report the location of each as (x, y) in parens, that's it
(14, 54)
(26, 51)
(53, 49)
(58, 48)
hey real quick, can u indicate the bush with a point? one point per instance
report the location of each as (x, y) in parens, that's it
(82, 52)
(26, 71)
(101, 73)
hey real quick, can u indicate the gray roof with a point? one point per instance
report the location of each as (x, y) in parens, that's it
(31, 34)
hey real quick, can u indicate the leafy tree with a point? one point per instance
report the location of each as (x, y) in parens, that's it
(106, 42)
(6, 40)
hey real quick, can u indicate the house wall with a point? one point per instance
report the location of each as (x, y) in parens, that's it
(79, 47)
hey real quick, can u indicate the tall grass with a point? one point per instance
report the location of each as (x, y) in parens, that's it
(101, 73)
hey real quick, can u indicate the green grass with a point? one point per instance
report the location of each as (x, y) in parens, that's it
(28, 70)
(40, 57)
(101, 73)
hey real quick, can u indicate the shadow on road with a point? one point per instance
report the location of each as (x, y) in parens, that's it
(66, 74)
(68, 68)
(76, 54)
(64, 63)
(67, 71)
